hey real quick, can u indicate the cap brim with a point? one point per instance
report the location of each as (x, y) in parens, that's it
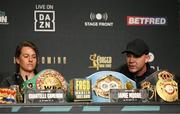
(132, 52)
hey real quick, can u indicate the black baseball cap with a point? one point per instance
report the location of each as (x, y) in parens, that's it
(137, 47)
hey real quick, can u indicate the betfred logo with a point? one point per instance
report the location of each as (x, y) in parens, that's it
(144, 21)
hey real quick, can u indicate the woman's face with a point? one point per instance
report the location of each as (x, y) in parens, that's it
(27, 59)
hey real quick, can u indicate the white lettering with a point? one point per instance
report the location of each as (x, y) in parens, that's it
(3, 19)
(36, 96)
(146, 20)
(55, 95)
(41, 24)
(47, 17)
(47, 25)
(135, 95)
(41, 16)
(123, 95)
(105, 24)
(91, 24)
(49, 7)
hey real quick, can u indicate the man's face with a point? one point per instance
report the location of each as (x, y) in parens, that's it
(136, 64)
(27, 59)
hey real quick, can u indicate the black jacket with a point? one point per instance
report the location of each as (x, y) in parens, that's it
(124, 70)
(8, 79)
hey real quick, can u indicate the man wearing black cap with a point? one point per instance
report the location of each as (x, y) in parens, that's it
(137, 56)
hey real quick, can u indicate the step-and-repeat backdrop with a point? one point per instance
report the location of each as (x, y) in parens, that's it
(80, 37)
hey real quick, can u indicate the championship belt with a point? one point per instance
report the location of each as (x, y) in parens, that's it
(161, 86)
(152, 92)
(166, 87)
(47, 79)
(104, 81)
(104, 84)
(7, 96)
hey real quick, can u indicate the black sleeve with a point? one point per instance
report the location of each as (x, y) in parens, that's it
(9, 79)
(4, 82)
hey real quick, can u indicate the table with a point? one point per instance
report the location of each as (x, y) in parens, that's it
(94, 108)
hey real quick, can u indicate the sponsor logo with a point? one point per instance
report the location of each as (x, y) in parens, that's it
(98, 19)
(49, 60)
(98, 16)
(99, 61)
(3, 18)
(151, 57)
(53, 60)
(44, 21)
(44, 18)
(144, 21)
(81, 89)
